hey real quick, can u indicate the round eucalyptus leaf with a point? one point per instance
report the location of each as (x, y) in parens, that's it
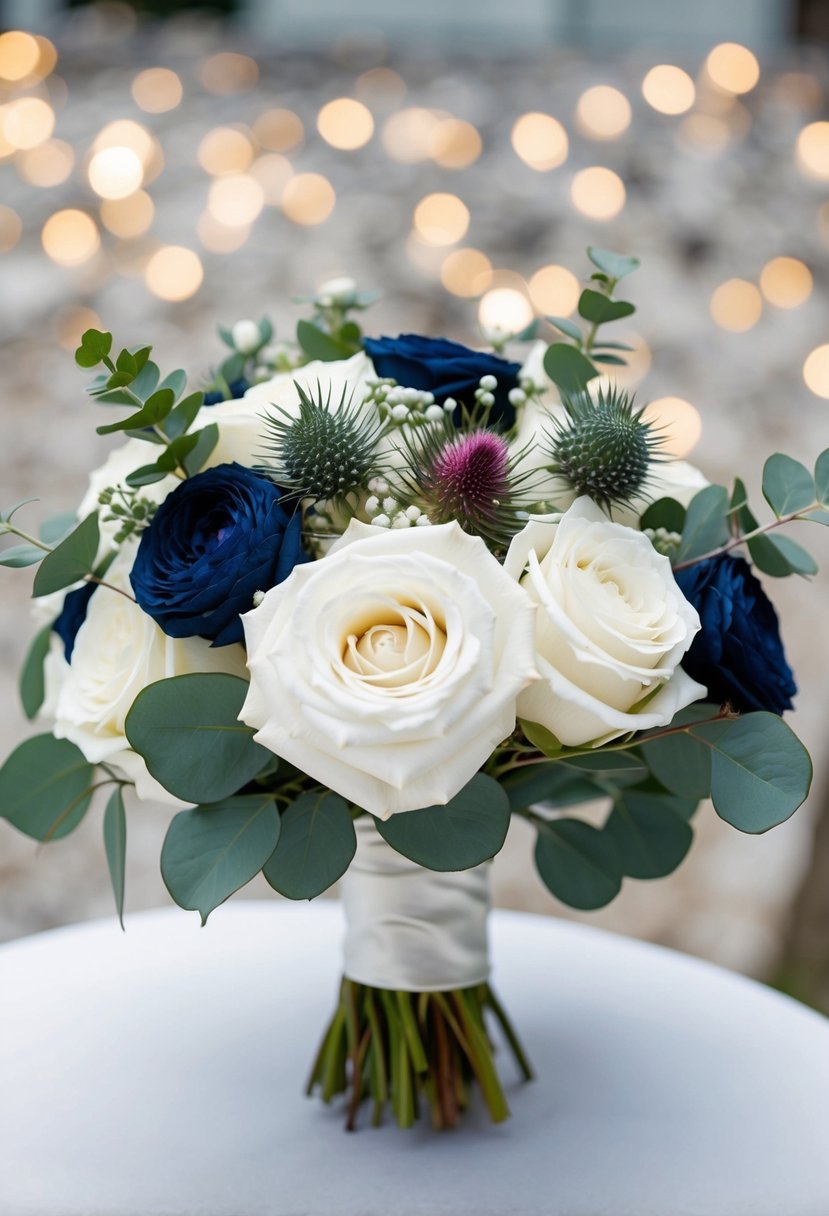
(316, 845)
(45, 787)
(578, 863)
(468, 830)
(651, 833)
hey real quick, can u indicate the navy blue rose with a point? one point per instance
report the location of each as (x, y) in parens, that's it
(237, 388)
(72, 616)
(444, 368)
(219, 537)
(738, 653)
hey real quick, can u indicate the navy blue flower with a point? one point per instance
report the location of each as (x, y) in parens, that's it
(738, 653)
(72, 616)
(219, 537)
(238, 388)
(444, 368)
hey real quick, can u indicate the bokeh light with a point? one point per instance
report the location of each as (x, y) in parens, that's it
(19, 55)
(679, 422)
(736, 305)
(128, 217)
(540, 140)
(554, 290)
(70, 237)
(27, 122)
(225, 150)
(441, 219)
(455, 144)
(174, 273)
(72, 322)
(345, 123)
(115, 172)
(235, 200)
(466, 272)
(408, 134)
(733, 67)
(49, 164)
(816, 371)
(157, 90)
(125, 133)
(308, 199)
(218, 237)
(273, 172)
(786, 282)
(603, 112)
(10, 228)
(706, 132)
(504, 310)
(279, 130)
(598, 192)
(668, 89)
(228, 72)
(812, 150)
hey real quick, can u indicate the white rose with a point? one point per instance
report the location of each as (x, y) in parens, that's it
(119, 650)
(246, 337)
(347, 377)
(389, 669)
(611, 629)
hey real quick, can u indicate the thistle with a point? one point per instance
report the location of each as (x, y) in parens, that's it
(468, 477)
(604, 449)
(321, 453)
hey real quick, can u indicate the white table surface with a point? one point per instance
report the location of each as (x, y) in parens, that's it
(160, 1073)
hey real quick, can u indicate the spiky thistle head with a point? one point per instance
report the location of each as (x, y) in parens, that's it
(603, 448)
(321, 451)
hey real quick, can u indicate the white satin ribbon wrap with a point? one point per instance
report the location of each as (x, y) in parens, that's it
(412, 929)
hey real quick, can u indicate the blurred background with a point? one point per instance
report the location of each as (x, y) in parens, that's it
(165, 167)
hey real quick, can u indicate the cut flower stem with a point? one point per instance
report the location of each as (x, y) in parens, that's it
(406, 1047)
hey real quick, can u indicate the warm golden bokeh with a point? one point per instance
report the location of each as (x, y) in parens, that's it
(10, 228)
(812, 150)
(598, 192)
(441, 219)
(736, 305)
(678, 424)
(455, 144)
(345, 123)
(540, 140)
(786, 282)
(19, 55)
(174, 273)
(603, 112)
(70, 237)
(125, 133)
(466, 272)
(157, 90)
(504, 310)
(73, 322)
(668, 89)
(27, 122)
(382, 85)
(733, 67)
(218, 237)
(128, 217)
(115, 172)
(308, 199)
(225, 150)
(707, 132)
(235, 200)
(273, 172)
(408, 135)
(279, 130)
(816, 371)
(229, 72)
(554, 290)
(49, 164)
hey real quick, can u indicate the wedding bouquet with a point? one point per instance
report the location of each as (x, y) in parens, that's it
(359, 602)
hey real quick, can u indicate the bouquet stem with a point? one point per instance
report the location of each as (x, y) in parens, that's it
(401, 1048)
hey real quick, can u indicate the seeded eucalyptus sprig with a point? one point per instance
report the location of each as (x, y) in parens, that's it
(603, 448)
(572, 364)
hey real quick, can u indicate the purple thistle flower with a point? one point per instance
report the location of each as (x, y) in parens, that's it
(468, 478)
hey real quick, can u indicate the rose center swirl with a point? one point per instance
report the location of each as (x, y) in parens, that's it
(389, 653)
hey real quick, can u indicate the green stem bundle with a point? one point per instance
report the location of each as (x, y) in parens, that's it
(399, 1048)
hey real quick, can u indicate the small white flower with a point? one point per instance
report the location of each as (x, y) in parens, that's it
(246, 337)
(489, 383)
(337, 292)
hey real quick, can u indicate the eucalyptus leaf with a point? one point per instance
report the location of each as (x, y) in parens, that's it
(32, 684)
(206, 440)
(822, 477)
(682, 764)
(154, 410)
(548, 781)
(16, 557)
(187, 730)
(578, 863)
(115, 844)
(706, 523)
(146, 475)
(788, 486)
(468, 830)
(73, 559)
(779, 556)
(54, 529)
(650, 832)
(614, 265)
(599, 309)
(319, 345)
(316, 845)
(541, 738)
(211, 851)
(568, 368)
(665, 513)
(567, 327)
(183, 416)
(176, 381)
(45, 787)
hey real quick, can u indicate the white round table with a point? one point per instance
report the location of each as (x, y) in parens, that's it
(160, 1073)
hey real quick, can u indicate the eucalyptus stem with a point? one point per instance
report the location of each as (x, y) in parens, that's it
(413, 1050)
(744, 537)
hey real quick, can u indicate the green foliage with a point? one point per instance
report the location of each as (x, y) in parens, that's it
(578, 863)
(115, 844)
(596, 307)
(788, 486)
(468, 830)
(665, 513)
(19, 556)
(94, 348)
(567, 327)
(211, 851)
(72, 560)
(182, 417)
(187, 730)
(706, 523)
(650, 832)
(777, 556)
(615, 265)
(568, 368)
(154, 410)
(822, 477)
(680, 762)
(317, 344)
(31, 684)
(45, 787)
(547, 781)
(316, 845)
